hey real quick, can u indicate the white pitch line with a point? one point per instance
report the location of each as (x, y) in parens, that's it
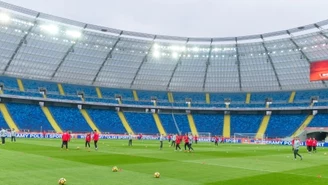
(252, 169)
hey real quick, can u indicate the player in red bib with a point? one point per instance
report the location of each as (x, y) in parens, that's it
(309, 145)
(196, 139)
(178, 141)
(186, 142)
(65, 139)
(169, 138)
(216, 141)
(293, 141)
(314, 145)
(95, 138)
(87, 140)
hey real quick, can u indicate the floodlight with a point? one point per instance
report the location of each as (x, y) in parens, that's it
(52, 29)
(156, 46)
(174, 48)
(4, 18)
(156, 54)
(74, 34)
(175, 55)
(195, 49)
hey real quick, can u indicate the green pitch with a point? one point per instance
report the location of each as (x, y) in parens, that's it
(41, 162)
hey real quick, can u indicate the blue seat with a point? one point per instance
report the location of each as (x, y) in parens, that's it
(182, 123)
(88, 91)
(29, 116)
(245, 123)
(107, 121)
(101, 100)
(319, 120)
(212, 123)
(141, 122)
(3, 123)
(132, 102)
(147, 95)
(62, 97)
(70, 119)
(306, 95)
(9, 82)
(195, 97)
(234, 97)
(21, 93)
(284, 125)
(168, 123)
(251, 105)
(34, 85)
(126, 94)
(275, 96)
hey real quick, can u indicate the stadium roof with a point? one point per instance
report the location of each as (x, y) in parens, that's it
(41, 46)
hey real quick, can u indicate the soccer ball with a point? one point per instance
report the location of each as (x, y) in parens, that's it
(115, 169)
(157, 174)
(62, 181)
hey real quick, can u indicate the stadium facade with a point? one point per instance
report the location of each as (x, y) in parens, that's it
(58, 74)
(41, 46)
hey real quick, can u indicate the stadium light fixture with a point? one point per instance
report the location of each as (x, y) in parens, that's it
(4, 18)
(195, 49)
(74, 34)
(175, 55)
(156, 46)
(52, 29)
(156, 54)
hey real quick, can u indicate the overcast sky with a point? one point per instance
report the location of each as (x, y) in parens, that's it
(191, 18)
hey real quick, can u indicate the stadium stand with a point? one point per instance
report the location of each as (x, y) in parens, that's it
(257, 100)
(245, 123)
(34, 85)
(70, 119)
(9, 83)
(106, 65)
(182, 121)
(3, 123)
(168, 123)
(283, 125)
(281, 97)
(28, 117)
(212, 123)
(88, 91)
(319, 120)
(141, 122)
(107, 121)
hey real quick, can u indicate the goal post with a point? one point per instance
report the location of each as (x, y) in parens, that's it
(249, 136)
(203, 135)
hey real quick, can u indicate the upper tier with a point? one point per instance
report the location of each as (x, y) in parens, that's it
(41, 46)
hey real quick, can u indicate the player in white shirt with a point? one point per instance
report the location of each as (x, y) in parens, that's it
(174, 138)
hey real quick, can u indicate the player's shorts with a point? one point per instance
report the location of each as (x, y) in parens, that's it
(309, 148)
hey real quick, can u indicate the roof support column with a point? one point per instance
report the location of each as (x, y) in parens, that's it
(321, 33)
(238, 64)
(207, 64)
(302, 53)
(71, 49)
(21, 42)
(143, 61)
(175, 68)
(109, 55)
(270, 60)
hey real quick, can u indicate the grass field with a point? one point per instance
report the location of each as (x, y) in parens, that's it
(41, 162)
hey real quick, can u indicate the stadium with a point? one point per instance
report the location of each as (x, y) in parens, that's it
(255, 92)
